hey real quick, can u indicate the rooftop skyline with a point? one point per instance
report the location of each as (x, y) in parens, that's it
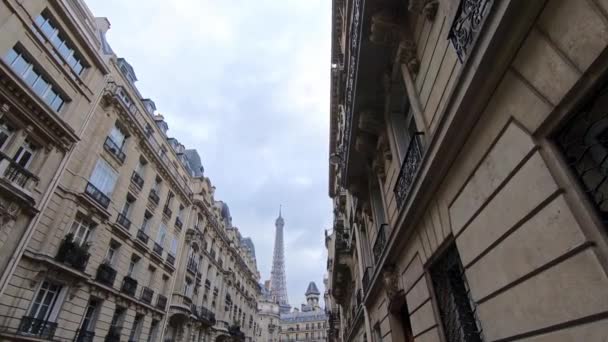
(247, 103)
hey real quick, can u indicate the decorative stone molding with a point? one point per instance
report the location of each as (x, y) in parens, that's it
(387, 28)
(390, 279)
(365, 143)
(407, 55)
(371, 122)
(428, 8)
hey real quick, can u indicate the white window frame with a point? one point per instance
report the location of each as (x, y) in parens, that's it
(117, 136)
(25, 147)
(53, 306)
(81, 230)
(104, 177)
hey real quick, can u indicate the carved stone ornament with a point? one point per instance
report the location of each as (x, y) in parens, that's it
(378, 167)
(428, 8)
(387, 28)
(390, 279)
(407, 55)
(371, 122)
(365, 143)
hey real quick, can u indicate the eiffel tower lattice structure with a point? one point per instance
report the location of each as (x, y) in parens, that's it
(278, 282)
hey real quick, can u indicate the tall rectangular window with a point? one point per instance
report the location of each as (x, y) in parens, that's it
(153, 331)
(456, 308)
(24, 154)
(57, 38)
(162, 235)
(117, 136)
(173, 249)
(81, 229)
(133, 265)
(104, 177)
(145, 226)
(34, 79)
(112, 252)
(136, 330)
(90, 316)
(45, 306)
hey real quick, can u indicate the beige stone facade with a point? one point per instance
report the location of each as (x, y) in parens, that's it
(467, 171)
(109, 228)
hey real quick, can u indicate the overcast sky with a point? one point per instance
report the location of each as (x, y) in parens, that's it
(246, 83)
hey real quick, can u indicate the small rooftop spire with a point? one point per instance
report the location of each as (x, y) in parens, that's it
(280, 205)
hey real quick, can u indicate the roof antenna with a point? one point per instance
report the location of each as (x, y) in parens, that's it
(280, 205)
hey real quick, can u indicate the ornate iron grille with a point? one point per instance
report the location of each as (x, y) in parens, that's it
(456, 309)
(584, 143)
(409, 169)
(380, 243)
(470, 17)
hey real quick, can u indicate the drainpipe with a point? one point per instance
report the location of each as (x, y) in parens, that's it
(29, 231)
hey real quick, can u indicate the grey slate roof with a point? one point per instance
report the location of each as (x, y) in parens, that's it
(312, 289)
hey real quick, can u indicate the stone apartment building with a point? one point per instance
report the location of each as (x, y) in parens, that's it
(109, 229)
(309, 323)
(467, 171)
(269, 315)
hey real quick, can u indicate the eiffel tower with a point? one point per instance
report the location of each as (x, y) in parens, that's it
(278, 282)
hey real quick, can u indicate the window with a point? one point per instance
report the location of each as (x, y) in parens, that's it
(188, 287)
(22, 67)
(90, 316)
(24, 154)
(5, 133)
(170, 196)
(81, 229)
(162, 235)
(104, 177)
(145, 225)
(112, 252)
(152, 275)
(118, 317)
(56, 37)
(133, 265)
(153, 331)
(156, 187)
(173, 249)
(45, 306)
(136, 330)
(455, 306)
(126, 209)
(141, 166)
(117, 136)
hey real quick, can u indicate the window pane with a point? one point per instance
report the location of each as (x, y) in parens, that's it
(57, 103)
(78, 68)
(55, 40)
(104, 177)
(71, 61)
(47, 29)
(64, 50)
(40, 86)
(31, 76)
(39, 20)
(50, 96)
(11, 56)
(20, 65)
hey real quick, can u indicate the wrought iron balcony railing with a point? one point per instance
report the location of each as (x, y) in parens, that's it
(17, 174)
(106, 274)
(192, 265)
(114, 149)
(161, 302)
(97, 195)
(146, 295)
(123, 221)
(366, 278)
(466, 26)
(137, 179)
(37, 327)
(170, 259)
(142, 236)
(153, 196)
(380, 243)
(158, 249)
(206, 316)
(73, 254)
(409, 170)
(129, 286)
(85, 336)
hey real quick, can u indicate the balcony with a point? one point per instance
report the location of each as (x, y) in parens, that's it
(409, 169)
(85, 336)
(146, 295)
(137, 180)
(110, 146)
(106, 274)
(178, 223)
(380, 243)
(158, 249)
(167, 212)
(123, 221)
(143, 237)
(16, 174)
(73, 254)
(97, 195)
(39, 328)
(366, 278)
(161, 302)
(153, 197)
(170, 259)
(206, 316)
(129, 286)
